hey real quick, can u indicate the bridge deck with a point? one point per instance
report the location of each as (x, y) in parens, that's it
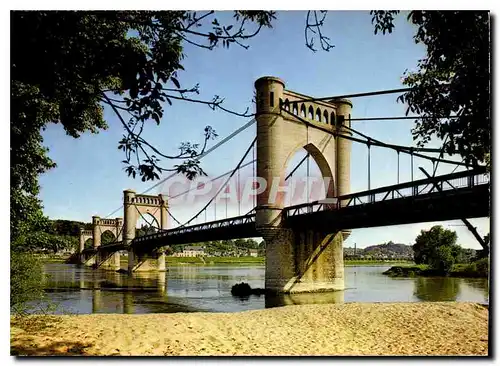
(464, 195)
(457, 204)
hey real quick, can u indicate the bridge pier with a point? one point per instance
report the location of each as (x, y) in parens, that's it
(331, 297)
(89, 259)
(146, 262)
(110, 261)
(303, 261)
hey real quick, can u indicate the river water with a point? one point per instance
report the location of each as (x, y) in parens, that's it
(81, 290)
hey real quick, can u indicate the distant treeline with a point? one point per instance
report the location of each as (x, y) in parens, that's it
(56, 236)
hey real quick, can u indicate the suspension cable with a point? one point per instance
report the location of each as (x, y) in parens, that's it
(211, 180)
(216, 146)
(297, 166)
(404, 149)
(142, 217)
(307, 174)
(172, 216)
(369, 167)
(367, 94)
(396, 118)
(411, 154)
(441, 154)
(215, 202)
(238, 193)
(398, 165)
(224, 185)
(395, 147)
(254, 198)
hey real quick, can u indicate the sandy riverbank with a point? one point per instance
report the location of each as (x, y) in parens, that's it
(337, 329)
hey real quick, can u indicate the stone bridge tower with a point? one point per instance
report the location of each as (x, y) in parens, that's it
(100, 225)
(300, 261)
(134, 206)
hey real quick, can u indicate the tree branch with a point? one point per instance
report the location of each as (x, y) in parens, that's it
(324, 41)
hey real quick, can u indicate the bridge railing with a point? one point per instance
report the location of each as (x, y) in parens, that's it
(410, 189)
(245, 219)
(403, 190)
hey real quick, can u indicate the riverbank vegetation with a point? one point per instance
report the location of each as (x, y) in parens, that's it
(38, 241)
(26, 281)
(376, 262)
(215, 260)
(246, 260)
(437, 254)
(476, 269)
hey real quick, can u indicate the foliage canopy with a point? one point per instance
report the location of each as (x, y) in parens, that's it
(451, 87)
(436, 247)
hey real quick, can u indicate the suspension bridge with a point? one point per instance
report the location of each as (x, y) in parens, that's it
(303, 242)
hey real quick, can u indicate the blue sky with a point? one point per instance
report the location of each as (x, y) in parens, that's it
(89, 178)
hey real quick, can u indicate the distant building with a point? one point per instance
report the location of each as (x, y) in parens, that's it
(192, 251)
(253, 252)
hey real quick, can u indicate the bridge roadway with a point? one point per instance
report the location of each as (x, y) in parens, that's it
(464, 195)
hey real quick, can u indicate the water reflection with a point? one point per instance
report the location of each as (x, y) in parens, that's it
(437, 288)
(478, 285)
(128, 303)
(208, 288)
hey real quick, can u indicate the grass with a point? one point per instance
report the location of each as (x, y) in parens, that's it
(262, 260)
(206, 260)
(215, 260)
(377, 262)
(50, 258)
(170, 260)
(477, 269)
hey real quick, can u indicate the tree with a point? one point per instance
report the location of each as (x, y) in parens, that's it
(26, 277)
(89, 244)
(40, 241)
(437, 247)
(442, 259)
(145, 230)
(107, 237)
(451, 87)
(127, 60)
(67, 227)
(484, 253)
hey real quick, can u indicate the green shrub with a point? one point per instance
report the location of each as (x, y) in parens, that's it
(442, 259)
(483, 266)
(26, 281)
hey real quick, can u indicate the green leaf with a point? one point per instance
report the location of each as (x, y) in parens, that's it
(176, 82)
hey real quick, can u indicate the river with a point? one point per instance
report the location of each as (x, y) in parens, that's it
(188, 288)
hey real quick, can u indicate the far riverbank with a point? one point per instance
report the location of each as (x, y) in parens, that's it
(477, 269)
(170, 260)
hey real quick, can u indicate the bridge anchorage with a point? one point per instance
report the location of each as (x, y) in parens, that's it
(303, 242)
